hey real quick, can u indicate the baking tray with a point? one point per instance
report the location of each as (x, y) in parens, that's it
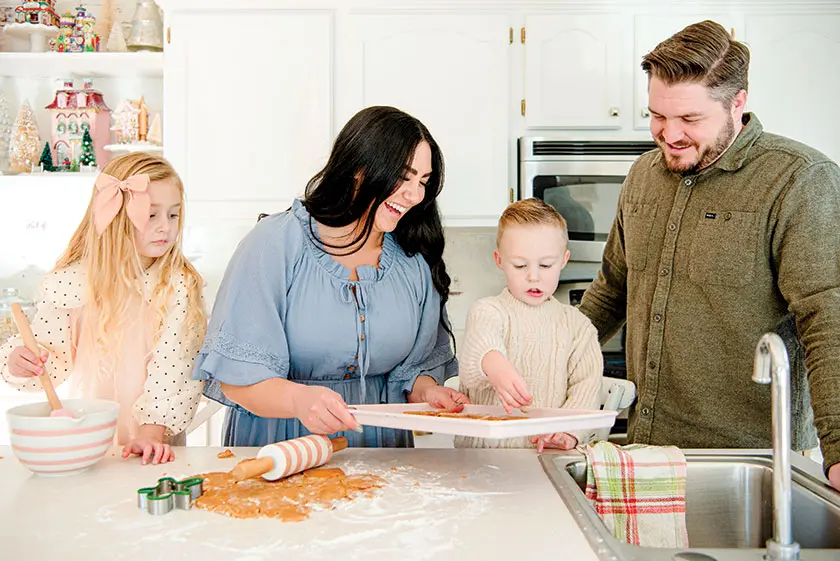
(533, 421)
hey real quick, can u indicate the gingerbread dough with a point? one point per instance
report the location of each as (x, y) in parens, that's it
(226, 454)
(449, 415)
(291, 499)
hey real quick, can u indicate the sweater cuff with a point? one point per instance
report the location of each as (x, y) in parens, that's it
(480, 381)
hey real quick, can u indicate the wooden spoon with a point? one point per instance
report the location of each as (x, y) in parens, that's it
(29, 342)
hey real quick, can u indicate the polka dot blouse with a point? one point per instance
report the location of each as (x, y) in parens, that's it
(152, 382)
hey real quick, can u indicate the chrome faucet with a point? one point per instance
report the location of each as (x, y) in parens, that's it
(772, 367)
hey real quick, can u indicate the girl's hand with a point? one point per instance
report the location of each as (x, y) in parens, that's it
(445, 398)
(149, 444)
(322, 410)
(23, 363)
(557, 441)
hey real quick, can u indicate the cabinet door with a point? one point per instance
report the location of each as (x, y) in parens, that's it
(652, 29)
(248, 101)
(794, 77)
(573, 71)
(451, 72)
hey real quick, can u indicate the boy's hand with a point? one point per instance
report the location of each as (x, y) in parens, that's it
(557, 441)
(149, 444)
(511, 389)
(23, 363)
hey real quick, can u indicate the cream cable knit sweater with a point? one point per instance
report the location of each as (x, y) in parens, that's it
(553, 346)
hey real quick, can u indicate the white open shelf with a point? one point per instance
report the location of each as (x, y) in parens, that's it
(82, 65)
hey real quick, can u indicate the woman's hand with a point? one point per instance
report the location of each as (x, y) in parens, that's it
(557, 441)
(322, 410)
(445, 398)
(426, 390)
(24, 364)
(149, 444)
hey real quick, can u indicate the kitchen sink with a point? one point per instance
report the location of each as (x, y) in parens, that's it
(729, 508)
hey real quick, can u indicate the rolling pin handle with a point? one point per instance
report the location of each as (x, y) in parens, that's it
(253, 468)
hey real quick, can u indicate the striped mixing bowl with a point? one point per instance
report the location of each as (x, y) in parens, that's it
(55, 446)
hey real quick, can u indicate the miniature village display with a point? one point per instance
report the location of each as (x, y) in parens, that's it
(76, 112)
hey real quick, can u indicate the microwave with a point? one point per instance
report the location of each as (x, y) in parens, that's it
(582, 179)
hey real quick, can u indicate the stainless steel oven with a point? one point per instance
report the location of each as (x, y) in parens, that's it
(582, 180)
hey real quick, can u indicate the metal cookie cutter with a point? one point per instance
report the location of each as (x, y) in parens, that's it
(169, 494)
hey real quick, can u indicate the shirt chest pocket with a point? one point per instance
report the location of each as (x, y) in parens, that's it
(724, 248)
(638, 222)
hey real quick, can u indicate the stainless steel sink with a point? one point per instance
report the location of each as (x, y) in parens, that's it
(729, 508)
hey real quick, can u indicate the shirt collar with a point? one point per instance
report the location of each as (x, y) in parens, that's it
(737, 153)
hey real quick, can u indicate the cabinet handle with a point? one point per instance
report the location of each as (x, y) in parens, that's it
(168, 35)
(614, 112)
(645, 113)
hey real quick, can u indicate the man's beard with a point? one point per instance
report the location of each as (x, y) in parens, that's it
(708, 155)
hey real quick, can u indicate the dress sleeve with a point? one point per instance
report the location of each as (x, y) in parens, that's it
(432, 353)
(52, 330)
(485, 332)
(246, 339)
(170, 397)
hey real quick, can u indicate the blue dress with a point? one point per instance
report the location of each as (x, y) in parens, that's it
(286, 309)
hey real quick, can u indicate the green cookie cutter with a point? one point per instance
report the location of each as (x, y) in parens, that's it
(169, 494)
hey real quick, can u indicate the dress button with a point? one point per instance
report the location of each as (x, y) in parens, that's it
(657, 318)
(362, 337)
(652, 364)
(347, 376)
(672, 227)
(664, 272)
(727, 216)
(645, 411)
(688, 182)
(351, 368)
(362, 317)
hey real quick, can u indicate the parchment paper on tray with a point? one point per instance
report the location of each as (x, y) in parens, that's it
(533, 421)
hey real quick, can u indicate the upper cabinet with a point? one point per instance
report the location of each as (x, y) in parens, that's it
(573, 71)
(248, 111)
(652, 29)
(451, 72)
(795, 77)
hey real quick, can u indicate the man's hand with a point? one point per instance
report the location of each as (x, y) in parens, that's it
(834, 476)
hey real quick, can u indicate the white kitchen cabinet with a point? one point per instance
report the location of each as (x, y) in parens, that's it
(451, 71)
(652, 29)
(248, 103)
(794, 77)
(573, 70)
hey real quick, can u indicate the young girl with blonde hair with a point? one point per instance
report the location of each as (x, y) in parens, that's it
(121, 315)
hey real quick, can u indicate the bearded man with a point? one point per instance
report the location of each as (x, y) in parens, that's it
(722, 234)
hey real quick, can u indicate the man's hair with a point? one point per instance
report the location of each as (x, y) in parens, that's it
(701, 53)
(531, 212)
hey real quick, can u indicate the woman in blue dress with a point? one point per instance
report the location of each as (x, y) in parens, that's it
(339, 300)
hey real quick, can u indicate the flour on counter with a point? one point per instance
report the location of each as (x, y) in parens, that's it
(416, 515)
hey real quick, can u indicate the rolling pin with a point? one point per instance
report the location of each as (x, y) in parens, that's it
(283, 459)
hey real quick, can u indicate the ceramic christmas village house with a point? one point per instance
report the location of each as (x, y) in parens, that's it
(126, 121)
(76, 33)
(74, 111)
(37, 13)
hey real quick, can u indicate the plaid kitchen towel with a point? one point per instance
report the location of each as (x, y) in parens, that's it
(639, 492)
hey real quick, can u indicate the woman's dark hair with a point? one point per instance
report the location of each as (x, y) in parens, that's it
(366, 166)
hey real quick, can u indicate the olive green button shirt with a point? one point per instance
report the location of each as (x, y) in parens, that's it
(700, 266)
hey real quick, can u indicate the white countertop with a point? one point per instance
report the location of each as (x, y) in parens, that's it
(468, 504)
